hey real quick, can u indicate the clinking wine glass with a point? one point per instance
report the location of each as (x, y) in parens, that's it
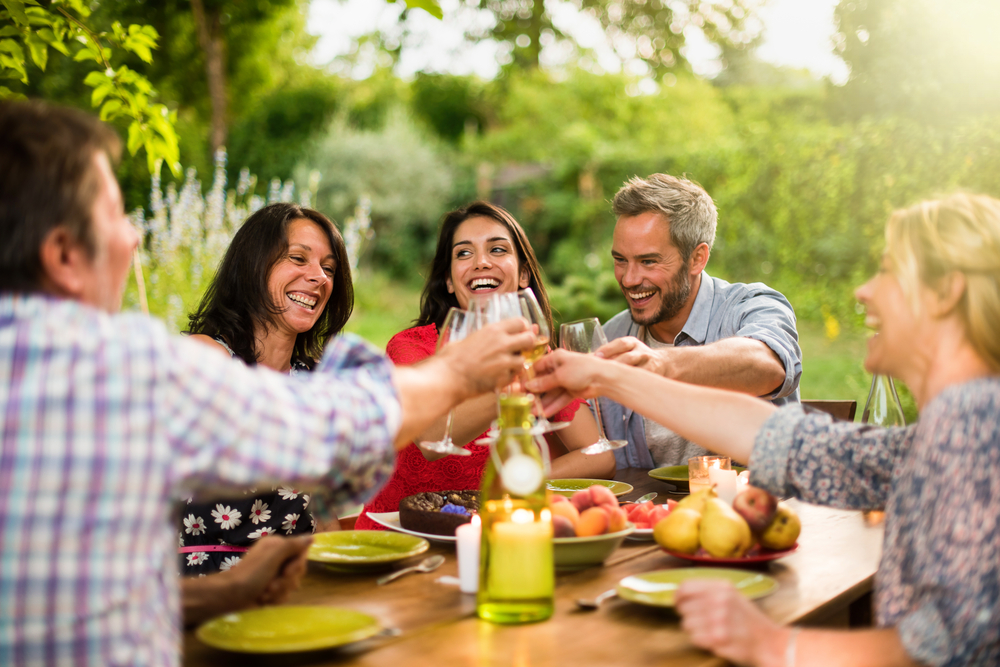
(586, 336)
(532, 312)
(457, 325)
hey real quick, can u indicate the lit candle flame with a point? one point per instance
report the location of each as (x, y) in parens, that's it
(522, 516)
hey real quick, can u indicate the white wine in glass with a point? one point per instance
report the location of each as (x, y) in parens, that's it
(586, 336)
(532, 311)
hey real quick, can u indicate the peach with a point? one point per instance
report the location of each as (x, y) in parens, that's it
(581, 500)
(616, 519)
(601, 495)
(565, 510)
(593, 521)
(561, 527)
(557, 498)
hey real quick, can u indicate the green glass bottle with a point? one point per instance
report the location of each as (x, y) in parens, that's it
(516, 571)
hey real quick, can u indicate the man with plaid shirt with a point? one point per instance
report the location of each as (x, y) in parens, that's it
(106, 419)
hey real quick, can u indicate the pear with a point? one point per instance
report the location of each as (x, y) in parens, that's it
(783, 530)
(723, 532)
(679, 531)
(696, 501)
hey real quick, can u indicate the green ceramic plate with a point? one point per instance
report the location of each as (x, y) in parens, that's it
(678, 475)
(567, 487)
(657, 588)
(287, 629)
(360, 549)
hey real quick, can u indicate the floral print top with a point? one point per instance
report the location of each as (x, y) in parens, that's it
(938, 481)
(239, 522)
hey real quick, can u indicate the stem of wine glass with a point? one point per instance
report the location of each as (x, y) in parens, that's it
(595, 403)
(447, 427)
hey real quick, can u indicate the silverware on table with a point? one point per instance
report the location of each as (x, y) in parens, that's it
(584, 603)
(641, 499)
(428, 564)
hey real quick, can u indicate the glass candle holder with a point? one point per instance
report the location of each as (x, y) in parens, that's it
(698, 467)
(516, 568)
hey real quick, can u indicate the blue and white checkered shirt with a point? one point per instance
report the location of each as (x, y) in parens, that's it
(104, 421)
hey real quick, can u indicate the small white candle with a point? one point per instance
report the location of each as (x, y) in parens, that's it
(725, 483)
(469, 535)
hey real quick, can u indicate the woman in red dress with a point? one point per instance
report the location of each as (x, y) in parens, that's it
(481, 250)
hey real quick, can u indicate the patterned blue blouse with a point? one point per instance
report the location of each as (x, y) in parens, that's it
(939, 482)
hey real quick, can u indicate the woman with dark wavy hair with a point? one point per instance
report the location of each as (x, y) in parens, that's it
(277, 299)
(481, 250)
(282, 291)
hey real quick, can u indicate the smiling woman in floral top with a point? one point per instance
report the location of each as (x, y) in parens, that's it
(935, 306)
(282, 291)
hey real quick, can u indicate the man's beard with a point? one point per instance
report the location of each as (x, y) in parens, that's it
(672, 301)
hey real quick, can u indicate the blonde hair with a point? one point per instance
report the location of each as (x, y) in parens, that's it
(928, 241)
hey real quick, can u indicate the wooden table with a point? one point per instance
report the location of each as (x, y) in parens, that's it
(833, 567)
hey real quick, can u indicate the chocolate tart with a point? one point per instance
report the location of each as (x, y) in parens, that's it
(422, 512)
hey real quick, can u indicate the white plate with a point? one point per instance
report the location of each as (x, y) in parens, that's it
(641, 534)
(391, 521)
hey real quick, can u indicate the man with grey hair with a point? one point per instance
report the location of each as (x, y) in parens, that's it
(683, 323)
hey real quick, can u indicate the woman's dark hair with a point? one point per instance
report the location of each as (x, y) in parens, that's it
(238, 300)
(436, 300)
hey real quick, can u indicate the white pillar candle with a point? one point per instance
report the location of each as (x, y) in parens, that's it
(742, 482)
(724, 482)
(469, 535)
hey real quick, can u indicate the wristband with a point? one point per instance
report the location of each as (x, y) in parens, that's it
(790, 648)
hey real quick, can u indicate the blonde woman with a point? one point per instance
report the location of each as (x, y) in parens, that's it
(935, 307)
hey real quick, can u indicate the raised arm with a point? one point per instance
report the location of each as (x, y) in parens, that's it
(739, 364)
(721, 421)
(756, 349)
(460, 371)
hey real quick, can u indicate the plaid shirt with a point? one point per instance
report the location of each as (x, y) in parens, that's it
(104, 421)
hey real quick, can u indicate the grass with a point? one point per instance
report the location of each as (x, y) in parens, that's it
(831, 368)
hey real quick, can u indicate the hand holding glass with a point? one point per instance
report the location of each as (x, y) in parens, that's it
(586, 336)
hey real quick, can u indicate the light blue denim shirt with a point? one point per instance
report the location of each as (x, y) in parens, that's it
(721, 310)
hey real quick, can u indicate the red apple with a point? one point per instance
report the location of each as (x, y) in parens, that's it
(757, 507)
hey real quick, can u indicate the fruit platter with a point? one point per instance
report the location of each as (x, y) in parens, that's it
(703, 528)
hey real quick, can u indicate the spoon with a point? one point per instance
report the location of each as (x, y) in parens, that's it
(641, 499)
(426, 565)
(584, 603)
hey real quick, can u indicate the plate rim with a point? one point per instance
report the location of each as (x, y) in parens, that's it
(601, 482)
(419, 547)
(757, 558)
(380, 518)
(620, 588)
(323, 642)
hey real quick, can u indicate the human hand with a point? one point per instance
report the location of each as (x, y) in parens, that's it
(633, 352)
(270, 570)
(719, 618)
(561, 376)
(489, 357)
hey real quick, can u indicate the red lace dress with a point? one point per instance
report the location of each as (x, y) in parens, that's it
(414, 473)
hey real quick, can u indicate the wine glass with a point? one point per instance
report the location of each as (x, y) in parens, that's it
(532, 312)
(457, 325)
(586, 336)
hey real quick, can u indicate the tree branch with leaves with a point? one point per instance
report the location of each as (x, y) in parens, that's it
(119, 92)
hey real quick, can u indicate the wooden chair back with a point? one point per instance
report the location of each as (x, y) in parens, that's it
(843, 410)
